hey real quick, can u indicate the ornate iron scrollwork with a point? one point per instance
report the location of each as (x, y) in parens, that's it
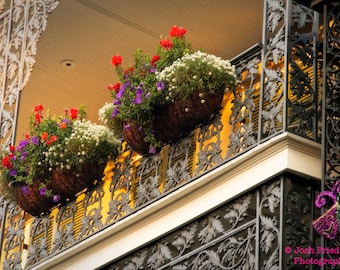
(20, 29)
(224, 239)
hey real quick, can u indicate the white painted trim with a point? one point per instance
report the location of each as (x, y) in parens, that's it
(286, 152)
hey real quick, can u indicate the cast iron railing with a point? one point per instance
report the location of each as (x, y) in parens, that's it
(278, 91)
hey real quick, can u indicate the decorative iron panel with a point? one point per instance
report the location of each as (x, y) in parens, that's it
(244, 113)
(298, 209)
(332, 96)
(20, 29)
(272, 103)
(243, 234)
(304, 92)
(331, 108)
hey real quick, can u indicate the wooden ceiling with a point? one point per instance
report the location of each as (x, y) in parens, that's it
(73, 62)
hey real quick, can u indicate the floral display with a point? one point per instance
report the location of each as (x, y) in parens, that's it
(197, 72)
(174, 72)
(65, 143)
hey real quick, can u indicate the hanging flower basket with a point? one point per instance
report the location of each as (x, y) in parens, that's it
(135, 138)
(179, 118)
(66, 184)
(69, 183)
(30, 200)
(180, 87)
(59, 158)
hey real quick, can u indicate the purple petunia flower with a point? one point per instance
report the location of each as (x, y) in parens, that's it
(160, 85)
(152, 149)
(42, 191)
(152, 70)
(127, 126)
(139, 94)
(35, 140)
(138, 99)
(22, 144)
(121, 91)
(56, 198)
(25, 190)
(23, 155)
(13, 172)
(66, 121)
(115, 112)
(147, 95)
(116, 102)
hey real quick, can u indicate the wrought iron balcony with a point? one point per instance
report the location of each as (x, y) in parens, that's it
(279, 93)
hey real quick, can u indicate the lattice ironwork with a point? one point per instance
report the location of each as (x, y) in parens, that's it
(272, 103)
(244, 113)
(332, 96)
(298, 208)
(331, 108)
(243, 234)
(20, 29)
(304, 95)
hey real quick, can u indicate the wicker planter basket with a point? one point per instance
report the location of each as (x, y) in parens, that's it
(135, 139)
(69, 183)
(32, 202)
(178, 119)
(65, 184)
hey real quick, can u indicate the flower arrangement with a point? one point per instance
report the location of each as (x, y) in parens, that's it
(174, 72)
(138, 91)
(197, 72)
(64, 143)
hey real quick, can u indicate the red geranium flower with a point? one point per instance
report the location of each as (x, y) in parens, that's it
(116, 60)
(44, 136)
(166, 43)
(11, 148)
(116, 87)
(74, 113)
(63, 125)
(39, 108)
(128, 70)
(154, 59)
(52, 139)
(6, 162)
(176, 31)
(38, 113)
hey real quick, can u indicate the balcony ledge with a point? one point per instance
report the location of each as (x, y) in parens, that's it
(283, 153)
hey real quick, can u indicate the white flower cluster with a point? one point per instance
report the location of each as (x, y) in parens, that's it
(198, 71)
(198, 58)
(86, 131)
(83, 143)
(104, 112)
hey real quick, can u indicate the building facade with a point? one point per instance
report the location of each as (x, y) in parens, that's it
(238, 193)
